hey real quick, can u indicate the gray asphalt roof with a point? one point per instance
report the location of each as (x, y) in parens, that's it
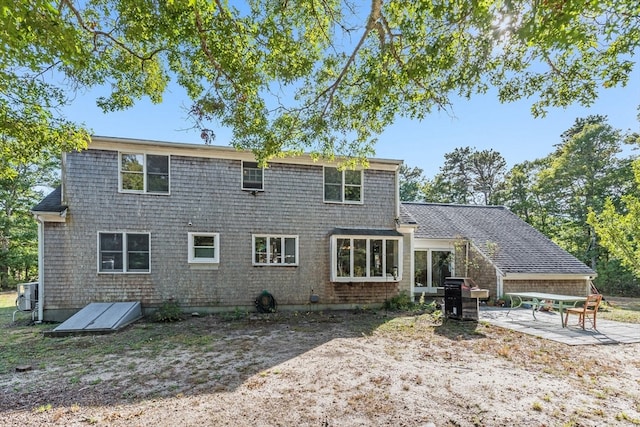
(51, 203)
(509, 242)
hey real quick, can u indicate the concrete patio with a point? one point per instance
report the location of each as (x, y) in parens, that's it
(547, 325)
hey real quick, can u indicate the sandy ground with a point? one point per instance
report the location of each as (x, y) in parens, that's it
(337, 369)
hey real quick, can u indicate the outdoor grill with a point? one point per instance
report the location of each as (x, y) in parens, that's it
(461, 298)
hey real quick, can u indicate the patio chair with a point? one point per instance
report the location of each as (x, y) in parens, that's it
(590, 308)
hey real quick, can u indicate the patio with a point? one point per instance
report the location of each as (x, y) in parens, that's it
(547, 325)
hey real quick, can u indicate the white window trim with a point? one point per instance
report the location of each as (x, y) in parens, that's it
(343, 185)
(334, 259)
(125, 253)
(144, 173)
(242, 178)
(271, 264)
(216, 245)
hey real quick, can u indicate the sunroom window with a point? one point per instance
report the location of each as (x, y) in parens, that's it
(365, 258)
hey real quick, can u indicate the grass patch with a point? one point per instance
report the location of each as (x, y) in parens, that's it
(7, 299)
(628, 312)
(7, 305)
(27, 344)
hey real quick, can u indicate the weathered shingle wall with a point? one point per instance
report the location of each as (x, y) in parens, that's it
(561, 287)
(206, 193)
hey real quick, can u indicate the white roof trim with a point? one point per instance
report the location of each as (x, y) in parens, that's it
(215, 151)
(50, 216)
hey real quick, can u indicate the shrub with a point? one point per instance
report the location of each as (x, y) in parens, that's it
(169, 311)
(402, 301)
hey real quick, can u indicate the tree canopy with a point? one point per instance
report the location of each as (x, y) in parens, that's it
(583, 195)
(292, 75)
(618, 225)
(410, 182)
(468, 176)
(18, 230)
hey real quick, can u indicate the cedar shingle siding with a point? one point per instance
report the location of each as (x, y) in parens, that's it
(206, 196)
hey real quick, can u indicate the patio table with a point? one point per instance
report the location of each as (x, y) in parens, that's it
(539, 299)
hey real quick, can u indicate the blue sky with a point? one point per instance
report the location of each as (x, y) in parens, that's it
(481, 122)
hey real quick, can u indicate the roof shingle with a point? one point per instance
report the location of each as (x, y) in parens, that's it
(509, 242)
(51, 203)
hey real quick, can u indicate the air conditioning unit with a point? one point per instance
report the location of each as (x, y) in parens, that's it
(27, 296)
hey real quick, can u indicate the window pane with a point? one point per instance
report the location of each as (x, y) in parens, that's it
(420, 261)
(157, 183)
(359, 257)
(352, 194)
(375, 262)
(260, 256)
(203, 241)
(110, 242)
(138, 261)
(290, 250)
(333, 193)
(332, 176)
(440, 267)
(132, 181)
(204, 252)
(392, 256)
(110, 261)
(352, 177)
(157, 164)
(132, 162)
(344, 257)
(138, 242)
(275, 245)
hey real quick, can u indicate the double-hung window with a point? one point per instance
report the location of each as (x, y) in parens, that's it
(204, 248)
(144, 173)
(342, 186)
(275, 250)
(252, 176)
(123, 252)
(366, 258)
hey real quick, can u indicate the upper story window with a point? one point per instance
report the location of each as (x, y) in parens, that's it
(275, 250)
(364, 258)
(123, 252)
(252, 176)
(144, 173)
(204, 248)
(342, 186)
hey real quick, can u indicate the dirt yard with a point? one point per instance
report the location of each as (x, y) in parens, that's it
(321, 369)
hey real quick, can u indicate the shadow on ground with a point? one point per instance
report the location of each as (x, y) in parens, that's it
(149, 360)
(459, 329)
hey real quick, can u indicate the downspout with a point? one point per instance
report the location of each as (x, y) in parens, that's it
(397, 179)
(40, 269)
(467, 260)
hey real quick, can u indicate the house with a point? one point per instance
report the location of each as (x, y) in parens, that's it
(490, 244)
(152, 221)
(149, 221)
